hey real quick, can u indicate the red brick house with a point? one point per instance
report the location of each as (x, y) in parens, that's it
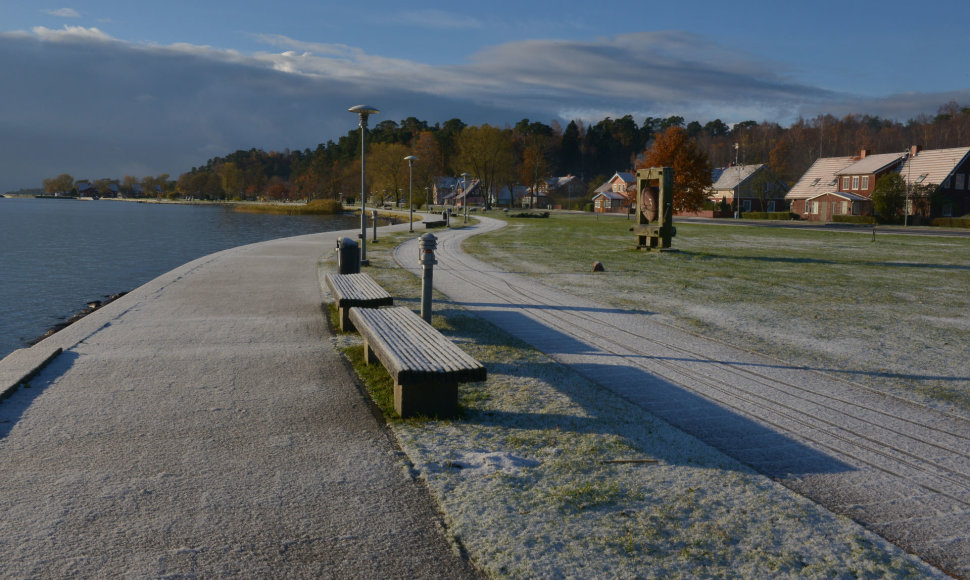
(617, 195)
(840, 185)
(844, 185)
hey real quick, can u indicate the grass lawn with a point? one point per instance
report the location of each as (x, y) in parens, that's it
(893, 313)
(528, 477)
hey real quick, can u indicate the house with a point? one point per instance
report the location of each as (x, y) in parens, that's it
(840, 185)
(617, 195)
(949, 169)
(844, 185)
(755, 186)
(563, 189)
(455, 190)
(610, 202)
(506, 199)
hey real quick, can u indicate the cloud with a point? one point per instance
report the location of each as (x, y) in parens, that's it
(95, 106)
(62, 12)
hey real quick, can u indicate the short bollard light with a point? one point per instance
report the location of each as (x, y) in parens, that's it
(374, 214)
(426, 247)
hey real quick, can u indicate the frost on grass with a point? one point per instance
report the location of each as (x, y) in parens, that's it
(522, 480)
(893, 314)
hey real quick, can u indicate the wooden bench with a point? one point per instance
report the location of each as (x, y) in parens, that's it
(360, 290)
(426, 366)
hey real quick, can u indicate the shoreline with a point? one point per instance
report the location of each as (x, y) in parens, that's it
(92, 306)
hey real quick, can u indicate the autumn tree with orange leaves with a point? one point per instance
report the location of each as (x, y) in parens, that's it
(692, 171)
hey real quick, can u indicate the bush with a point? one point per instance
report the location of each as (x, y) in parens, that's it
(961, 222)
(774, 215)
(544, 214)
(854, 219)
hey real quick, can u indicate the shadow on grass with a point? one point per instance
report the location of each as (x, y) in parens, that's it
(826, 262)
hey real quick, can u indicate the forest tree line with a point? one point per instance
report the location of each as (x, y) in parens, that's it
(530, 151)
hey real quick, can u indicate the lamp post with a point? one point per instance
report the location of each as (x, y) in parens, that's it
(464, 194)
(737, 188)
(410, 159)
(363, 111)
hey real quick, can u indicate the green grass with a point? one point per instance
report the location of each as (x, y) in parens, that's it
(563, 512)
(892, 314)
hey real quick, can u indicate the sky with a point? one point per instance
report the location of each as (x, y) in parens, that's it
(108, 88)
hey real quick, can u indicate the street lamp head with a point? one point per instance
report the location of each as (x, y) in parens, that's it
(364, 110)
(410, 159)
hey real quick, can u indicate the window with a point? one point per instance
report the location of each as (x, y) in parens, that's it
(817, 179)
(746, 204)
(921, 177)
(947, 210)
(599, 204)
(855, 182)
(771, 205)
(811, 207)
(845, 208)
(865, 183)
(607, 204)
(618, 187)
(845, 183)
(960, 181)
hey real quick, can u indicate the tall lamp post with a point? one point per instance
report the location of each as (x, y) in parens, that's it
(464, 194)
(363, 111)
(410, 159)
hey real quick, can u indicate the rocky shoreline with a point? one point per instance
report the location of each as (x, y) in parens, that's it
(91, 307)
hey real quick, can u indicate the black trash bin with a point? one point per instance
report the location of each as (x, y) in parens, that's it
(348, 256)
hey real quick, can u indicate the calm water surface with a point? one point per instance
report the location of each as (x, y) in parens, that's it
(58, 255)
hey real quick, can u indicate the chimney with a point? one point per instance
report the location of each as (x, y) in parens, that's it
(914, 150)
(864, 153)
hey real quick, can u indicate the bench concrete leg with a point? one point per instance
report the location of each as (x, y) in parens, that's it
(439, 399)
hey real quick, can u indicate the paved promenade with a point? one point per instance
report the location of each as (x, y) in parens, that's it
(204, 426)
(901, 469)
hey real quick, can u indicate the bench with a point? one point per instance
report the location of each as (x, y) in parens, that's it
(360, 290)
(426, 367)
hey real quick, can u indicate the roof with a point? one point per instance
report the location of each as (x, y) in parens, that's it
(933, 166)
(611, 195)
(730, 177)
(872, 164)
(626, 176)
(821, 177)
(843, 194)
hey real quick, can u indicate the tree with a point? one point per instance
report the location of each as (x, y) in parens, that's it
(535, 168)
(388, 168)
(63, 183)
(481, 151)
(692, 172)
(889, 196)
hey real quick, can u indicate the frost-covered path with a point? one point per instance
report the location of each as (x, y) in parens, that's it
(204, 426)
(900, 468)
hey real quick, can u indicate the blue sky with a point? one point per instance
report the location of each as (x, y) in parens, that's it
(104, 88)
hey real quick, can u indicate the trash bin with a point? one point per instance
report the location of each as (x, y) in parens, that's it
(348, 256)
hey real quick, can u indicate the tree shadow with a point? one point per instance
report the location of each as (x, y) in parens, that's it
(750, 442)
(822, 261)
(13, 408)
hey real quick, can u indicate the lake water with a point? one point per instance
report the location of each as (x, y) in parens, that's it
(58, 255)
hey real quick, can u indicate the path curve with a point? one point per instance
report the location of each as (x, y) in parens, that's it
(203, 425)
(901, 469)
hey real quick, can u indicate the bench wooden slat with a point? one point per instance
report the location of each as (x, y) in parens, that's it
(425, 366)
(360, 290)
